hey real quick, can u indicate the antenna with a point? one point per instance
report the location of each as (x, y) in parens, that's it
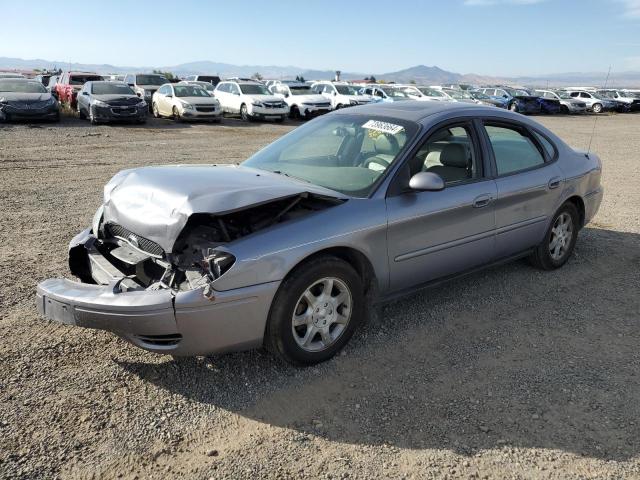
(596, 119)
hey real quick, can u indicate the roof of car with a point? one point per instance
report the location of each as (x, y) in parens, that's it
(415, 111)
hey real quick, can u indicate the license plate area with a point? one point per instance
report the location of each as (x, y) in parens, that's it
(58, 311)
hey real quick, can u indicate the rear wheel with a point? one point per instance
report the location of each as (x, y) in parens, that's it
(560, 240)
(315, 312)
(597, 108)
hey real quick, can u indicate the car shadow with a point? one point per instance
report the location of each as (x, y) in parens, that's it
(508, 357)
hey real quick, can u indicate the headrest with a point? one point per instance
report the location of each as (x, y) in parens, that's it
(454, 155)
(386, 145)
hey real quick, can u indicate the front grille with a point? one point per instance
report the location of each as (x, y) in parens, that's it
(121, 110)
(160, 340)
(205, 108)
(273, 105)
(141, 243)
(322, 104)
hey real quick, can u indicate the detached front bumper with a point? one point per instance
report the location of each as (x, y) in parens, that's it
(164, 321)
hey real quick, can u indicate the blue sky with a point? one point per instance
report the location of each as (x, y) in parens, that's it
(491, 37)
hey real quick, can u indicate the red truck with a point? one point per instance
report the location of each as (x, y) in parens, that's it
(70, 84)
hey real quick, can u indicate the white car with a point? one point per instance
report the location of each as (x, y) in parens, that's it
(185, 102)
(386, 93)
(252, 100)
(303, 103)
(425, 94)
(341, 94)
(621, 96)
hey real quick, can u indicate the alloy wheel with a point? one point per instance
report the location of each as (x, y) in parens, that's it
(561, 235)
(321, 314)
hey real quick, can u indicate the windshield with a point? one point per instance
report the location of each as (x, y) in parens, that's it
(394, 92)
(347, 89)
(480, 96)
(345, 153)
(300, 90)
(516, 92)
(151, 80)
(254, 89)
(21, 86)
(564, 95)
(209, 79)
(431, 92)
(458, 95)
(109, 88)
(82, 79)
(607, 94)
(190, 91)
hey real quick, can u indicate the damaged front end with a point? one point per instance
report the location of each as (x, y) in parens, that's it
(132, 286)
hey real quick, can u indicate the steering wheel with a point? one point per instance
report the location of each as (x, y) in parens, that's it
(375, 160)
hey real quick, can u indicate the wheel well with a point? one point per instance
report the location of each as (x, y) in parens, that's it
(579, 204)
(356, 259)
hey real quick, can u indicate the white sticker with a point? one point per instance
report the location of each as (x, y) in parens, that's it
(383, 127)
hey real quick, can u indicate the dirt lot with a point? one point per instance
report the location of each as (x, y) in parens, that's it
(510, 373)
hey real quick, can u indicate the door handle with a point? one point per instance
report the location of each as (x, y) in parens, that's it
(554, 183)
(482, 200)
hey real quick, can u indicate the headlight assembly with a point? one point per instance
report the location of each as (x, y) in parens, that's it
(256, 104)
(187, 106)
(98, 103)
(217, 263)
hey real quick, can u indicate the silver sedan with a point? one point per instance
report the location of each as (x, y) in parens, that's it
(290, 248)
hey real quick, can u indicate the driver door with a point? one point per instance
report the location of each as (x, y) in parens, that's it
(434, 234)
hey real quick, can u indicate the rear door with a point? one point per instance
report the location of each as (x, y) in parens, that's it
(529, 184)
(439, 233)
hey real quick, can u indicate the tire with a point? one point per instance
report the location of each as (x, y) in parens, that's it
(92, 119)
(513, 107)
(558, 243)
(156, 112)
(597, 108)
(176, 114)
(81, 113)
(56, 119)
(244, 113)
(294, 112)
(564, 109)
(327, 324)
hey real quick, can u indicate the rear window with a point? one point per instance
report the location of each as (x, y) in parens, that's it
(82, 79)
(513, 150)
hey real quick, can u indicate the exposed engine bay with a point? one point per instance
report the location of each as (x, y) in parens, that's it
(132, 262)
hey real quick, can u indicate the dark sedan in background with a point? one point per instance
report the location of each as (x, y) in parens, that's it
(111, 102)
(22, 99)
(518, 100)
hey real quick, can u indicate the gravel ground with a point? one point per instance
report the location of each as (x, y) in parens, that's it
(509, 373)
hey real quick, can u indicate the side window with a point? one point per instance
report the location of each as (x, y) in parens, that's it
(513, 149)
(328, 89)
(574, 94)
(222, 87)
(547, 145)
(451, 153)
(162, 90)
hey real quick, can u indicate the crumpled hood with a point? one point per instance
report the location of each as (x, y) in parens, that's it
(156, 202)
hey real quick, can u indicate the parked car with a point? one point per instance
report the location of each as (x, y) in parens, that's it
(302, 101)
(518, 100)
(212, 79)
(114, 78)
(286, 249)
(486, 99)
(631, 102)
(593, 101)
(568, 104)
(70, 83)
(341, 94)
(425, 93)
(385, 93)
(252, 100)
(108, 101)
(185, 102)
(145, 84)
(205, 85)
(10, 75)
(22, 99)
(549, 105)
(457, 95)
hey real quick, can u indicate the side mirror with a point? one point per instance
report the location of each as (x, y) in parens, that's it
(505, 96)
(426, 182)
(169, 95)
(85, 93)
(131, 84)
(334, 93)
(286, 95)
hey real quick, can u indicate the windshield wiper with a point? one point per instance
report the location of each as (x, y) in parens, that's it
(280, 172)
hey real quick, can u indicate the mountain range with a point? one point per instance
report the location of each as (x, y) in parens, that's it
(420, 74)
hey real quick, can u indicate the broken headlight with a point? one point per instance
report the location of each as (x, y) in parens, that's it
(97, 221)
(217, 262)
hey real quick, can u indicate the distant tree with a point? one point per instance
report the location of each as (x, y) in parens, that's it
(168, 75)
(300, 78)
(412, 82)
(372, 79)
(366, 78)
(256, 76)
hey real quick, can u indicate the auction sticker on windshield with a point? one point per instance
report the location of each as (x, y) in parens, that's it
(383, 127)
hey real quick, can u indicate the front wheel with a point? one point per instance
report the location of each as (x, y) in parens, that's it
(176, 114)
(560, 240)
(81, 113)
(156, 112)
(244, 113)
(597, 108)
(315, 312)
(513, 107)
